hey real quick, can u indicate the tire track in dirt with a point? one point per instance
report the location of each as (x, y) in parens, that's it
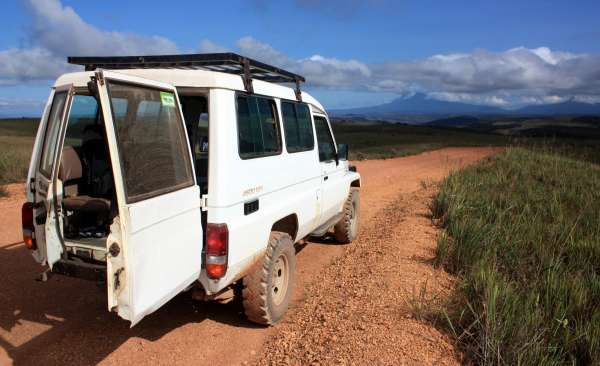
(357, 311)
(64, 321)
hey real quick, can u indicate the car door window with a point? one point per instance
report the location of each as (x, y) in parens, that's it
(324, 140)
(51, 135)
(297, 127)
(258, 128)
(151, 140)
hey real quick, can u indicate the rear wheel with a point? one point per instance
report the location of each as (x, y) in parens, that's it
(268, 289)
(346, 230)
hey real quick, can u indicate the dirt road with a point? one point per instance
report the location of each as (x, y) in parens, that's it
(64, 321)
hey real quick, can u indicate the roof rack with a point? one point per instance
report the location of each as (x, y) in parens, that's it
(229, 62)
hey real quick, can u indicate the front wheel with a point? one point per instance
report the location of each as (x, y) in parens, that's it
(346, 230)
(268, 289)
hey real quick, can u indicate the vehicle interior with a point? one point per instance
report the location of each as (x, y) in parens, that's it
(88, 186)
(195, 113)
(89, 198)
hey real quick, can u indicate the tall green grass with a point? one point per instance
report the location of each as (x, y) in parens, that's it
(523, 234)
(16, 144)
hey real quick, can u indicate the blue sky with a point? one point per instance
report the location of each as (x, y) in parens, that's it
(353, 52)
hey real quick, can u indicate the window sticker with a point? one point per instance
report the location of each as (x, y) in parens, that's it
(167, 99)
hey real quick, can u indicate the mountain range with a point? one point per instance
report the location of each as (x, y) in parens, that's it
(421, 104)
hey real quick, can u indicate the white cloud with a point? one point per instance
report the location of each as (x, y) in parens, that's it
(61, 30)
(496, 77)
(318, 70)
(206, 46)
(57, 31)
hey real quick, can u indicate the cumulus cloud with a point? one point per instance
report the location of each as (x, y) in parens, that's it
(206, 46)
(57, 31)
(318, 70)
(496, 77)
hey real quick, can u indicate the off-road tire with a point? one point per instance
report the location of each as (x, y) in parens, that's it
(346, 230)
(259, 294)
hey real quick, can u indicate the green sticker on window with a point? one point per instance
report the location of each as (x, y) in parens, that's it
(167, 99)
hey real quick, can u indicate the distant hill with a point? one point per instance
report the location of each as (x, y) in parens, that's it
(423, 106)
(458, 121)
(570, 107)
(418, 104)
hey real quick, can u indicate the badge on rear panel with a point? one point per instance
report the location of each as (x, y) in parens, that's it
(167, 99)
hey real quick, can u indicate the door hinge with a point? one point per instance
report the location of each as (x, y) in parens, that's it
(100, 77)
(204, 202)
(32, 185)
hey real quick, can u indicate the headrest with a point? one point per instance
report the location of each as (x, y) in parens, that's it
(70, 165)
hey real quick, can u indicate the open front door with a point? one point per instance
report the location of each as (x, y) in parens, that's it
(155, 244)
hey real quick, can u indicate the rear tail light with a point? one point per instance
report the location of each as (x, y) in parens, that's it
(28, 228)
(217, 246)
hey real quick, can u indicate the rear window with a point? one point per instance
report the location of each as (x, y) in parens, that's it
(152, 143)
(297, 127)
(258, 128)
(51, 134)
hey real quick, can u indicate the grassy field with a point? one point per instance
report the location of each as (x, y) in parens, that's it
(523, 235)
(16, 143)
(385, 140)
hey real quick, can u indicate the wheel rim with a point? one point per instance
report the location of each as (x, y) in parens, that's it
(279, 279)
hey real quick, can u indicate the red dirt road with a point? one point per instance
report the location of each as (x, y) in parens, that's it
(65, 321)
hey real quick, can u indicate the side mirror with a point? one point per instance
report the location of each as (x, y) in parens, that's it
(342, 152)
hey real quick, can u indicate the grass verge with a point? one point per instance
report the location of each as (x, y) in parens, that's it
(386, 140)
(523, 235)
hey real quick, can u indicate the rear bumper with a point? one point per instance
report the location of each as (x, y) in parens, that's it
(85, 271)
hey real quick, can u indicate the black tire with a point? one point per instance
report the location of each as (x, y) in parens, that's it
(346, 230)
(266, 294)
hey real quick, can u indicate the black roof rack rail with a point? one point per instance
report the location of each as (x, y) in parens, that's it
(228, 62)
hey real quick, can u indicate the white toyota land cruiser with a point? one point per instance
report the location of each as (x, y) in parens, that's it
(157, 174)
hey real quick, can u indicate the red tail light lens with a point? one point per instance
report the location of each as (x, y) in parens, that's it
(28, 228)
(217, 246)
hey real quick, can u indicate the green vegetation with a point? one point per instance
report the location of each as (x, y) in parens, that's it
(16, 143)
(370, 140)
(523, 235)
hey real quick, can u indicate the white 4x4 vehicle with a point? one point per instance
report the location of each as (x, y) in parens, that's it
(157, 174)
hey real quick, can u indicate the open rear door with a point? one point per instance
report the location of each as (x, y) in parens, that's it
(155, 245)
(47, 188)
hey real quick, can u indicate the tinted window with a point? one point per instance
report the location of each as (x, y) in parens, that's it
(82, 120)
(51, 135)
(258, 130)
(297, 127)
(152, 142)
(324, 139)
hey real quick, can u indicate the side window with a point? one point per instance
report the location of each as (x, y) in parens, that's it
(51, 135)
(82, 120)
(258, 129)
(324, 139)
(151, 139)
(297, 127)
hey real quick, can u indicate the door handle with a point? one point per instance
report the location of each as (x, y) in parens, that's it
(326, 177)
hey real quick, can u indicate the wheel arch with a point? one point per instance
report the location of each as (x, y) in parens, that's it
(287, 224)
